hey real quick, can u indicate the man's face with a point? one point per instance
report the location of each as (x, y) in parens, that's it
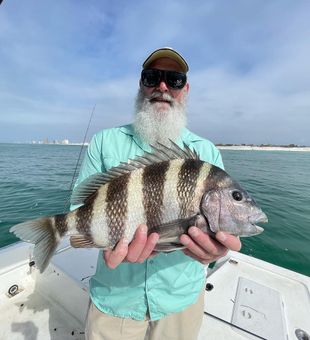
(159, 101)
(160, 110)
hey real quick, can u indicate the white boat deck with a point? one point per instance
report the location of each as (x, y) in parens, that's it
(266, 300)
(261, 300)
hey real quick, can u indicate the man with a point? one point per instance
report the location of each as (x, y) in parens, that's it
(134, 294)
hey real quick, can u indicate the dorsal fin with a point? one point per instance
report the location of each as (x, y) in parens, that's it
(161, 153)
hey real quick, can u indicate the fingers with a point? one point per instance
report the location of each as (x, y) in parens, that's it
(204, 260)
(138, 243)
(140, 248)
(114, 257)
(206, 249)
(229, 241)
(201, 244)
(149, 247)
(142, 245)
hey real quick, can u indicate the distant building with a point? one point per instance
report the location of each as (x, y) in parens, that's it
(56, 142)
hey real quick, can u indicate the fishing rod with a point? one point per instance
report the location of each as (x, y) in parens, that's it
(67, 202)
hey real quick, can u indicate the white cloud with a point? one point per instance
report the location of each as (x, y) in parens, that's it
(248, 65)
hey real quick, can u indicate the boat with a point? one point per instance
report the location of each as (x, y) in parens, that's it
(245, 298)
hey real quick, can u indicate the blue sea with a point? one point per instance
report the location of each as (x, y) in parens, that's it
(35, 181)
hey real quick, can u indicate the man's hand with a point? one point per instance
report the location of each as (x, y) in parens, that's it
(204, 248)
(140, 248)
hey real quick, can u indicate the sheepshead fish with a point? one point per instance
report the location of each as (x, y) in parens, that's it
(170, 190)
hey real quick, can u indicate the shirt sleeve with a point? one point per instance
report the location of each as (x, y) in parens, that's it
(208, 152)
(218, 161)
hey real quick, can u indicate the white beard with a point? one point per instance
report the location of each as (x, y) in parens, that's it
(152, 125)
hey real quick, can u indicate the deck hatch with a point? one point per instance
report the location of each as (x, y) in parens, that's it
(259, 309)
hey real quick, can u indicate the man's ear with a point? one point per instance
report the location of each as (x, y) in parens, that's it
(186, 87)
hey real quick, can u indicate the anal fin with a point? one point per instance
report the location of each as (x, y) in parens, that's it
(81, 241)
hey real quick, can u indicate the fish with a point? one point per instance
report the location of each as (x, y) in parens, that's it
(168, 189)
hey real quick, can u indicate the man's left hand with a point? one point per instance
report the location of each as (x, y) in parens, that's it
(206, 249)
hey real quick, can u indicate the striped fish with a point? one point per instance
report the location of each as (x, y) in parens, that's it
(170, 190)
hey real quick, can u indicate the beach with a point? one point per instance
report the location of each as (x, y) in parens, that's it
(263, 148)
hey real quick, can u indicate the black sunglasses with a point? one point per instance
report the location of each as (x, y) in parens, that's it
(152, 78)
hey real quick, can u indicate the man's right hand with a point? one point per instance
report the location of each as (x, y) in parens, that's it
(139, 249)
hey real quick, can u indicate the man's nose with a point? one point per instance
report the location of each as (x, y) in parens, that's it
(163, 86)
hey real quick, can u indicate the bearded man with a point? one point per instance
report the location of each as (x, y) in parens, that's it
(134, 294)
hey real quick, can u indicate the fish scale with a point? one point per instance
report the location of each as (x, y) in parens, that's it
(153, 182)
(187, 182)
(83, 216)
(117, 208)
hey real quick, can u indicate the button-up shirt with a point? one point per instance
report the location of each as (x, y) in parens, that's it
(161, 285)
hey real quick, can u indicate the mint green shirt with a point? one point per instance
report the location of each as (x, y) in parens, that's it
(164, 284)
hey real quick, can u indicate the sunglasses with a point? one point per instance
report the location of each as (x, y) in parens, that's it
(152, 78)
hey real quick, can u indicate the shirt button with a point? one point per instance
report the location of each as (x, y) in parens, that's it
(151, 261)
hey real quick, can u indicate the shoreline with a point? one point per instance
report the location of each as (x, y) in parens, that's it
(220, 147)
(263, 148)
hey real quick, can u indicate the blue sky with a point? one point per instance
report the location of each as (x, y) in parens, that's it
(249, 66)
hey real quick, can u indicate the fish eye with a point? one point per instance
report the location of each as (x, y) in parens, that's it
(237, 195)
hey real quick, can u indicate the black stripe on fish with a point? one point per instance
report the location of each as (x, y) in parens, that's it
(61, 224)
(84, 215)
(117, 207)
(216, 178)
(187, 181)
(153, 181)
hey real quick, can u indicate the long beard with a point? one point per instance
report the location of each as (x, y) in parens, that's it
(153, 125)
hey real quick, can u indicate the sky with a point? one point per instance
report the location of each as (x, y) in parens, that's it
(249, 66)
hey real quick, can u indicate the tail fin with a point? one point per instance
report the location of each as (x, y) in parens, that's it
(41, 232)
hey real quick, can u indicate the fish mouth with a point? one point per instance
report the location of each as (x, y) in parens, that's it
(261, 217)
(257, 228)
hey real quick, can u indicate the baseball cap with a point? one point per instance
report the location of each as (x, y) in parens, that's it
(166, 52)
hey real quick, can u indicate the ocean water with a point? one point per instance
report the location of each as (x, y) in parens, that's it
(35, 181)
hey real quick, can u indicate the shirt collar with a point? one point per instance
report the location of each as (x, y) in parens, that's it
(129, 130)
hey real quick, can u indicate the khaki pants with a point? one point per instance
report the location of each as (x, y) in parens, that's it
(179, 326)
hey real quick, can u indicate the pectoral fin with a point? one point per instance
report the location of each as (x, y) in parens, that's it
(170, 232)
(168, 247)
